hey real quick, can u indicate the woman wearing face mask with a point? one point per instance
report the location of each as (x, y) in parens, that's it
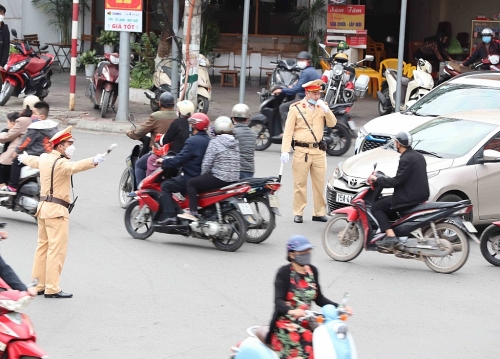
(296, 287)
(4, 38)
(489, 46)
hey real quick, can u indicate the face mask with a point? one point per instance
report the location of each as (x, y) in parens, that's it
(1, 18)
(70, 151)
(312, 102)
(486, 39)
(302, 64)
(303, 259)
(34, 117)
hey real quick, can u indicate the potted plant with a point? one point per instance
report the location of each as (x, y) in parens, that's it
(89, 60)
(109, 39)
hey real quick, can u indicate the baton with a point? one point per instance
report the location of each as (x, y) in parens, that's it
(281, 172)
(109, 149)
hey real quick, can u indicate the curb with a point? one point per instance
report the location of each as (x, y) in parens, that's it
(99, 125)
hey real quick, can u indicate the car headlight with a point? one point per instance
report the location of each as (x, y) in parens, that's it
(338, 69)
(337, 173)
(18, 66)
(362, 132)
(432, 174)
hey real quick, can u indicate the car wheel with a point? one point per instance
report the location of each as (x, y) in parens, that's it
(450, 197)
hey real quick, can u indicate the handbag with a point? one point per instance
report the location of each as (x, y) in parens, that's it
(322, 145)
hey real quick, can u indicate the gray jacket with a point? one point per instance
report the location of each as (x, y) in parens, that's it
(222, 159)
(246, 139)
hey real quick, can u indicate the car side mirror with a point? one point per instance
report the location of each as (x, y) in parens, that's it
(369, 58)
(14, 32)
(491, 156)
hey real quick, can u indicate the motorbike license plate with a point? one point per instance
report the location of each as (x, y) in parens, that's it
(344, 198)
(351, 124)
(470, 227)
(274, 201)
(245, 208)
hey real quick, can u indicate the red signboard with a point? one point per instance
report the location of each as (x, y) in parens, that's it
(133, 5)
(346, 17)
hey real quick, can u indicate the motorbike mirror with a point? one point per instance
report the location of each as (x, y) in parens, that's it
(345, 299)
(369, 58)
(44, 47)
(14, 32)
(374, 166)
(131, 118)
(323, 46)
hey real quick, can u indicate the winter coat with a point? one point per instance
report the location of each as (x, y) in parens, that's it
(306, 75)
(158, 122)
(176, 135)
(482, 51)
(4, 44)
(13, 136)
(222, 159)
(246, 141)
(37, 138)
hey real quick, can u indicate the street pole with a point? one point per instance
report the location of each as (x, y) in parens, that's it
(175, 53)
(402, 27)
(191, 51)
(244, 48)
(74, 36)
(124, 78)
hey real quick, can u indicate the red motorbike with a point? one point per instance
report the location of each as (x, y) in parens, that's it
(490, 244)
(103, 86)
(17, 336)
(26, 72)
(453, 69)
(224, 214)
(432, 232)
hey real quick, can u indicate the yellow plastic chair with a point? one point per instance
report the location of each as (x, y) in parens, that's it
(408, 70)
(374, 78)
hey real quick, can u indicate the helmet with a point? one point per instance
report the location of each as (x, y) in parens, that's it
(166, 100)
(487, 32)
(304, 55)
(185, 107)
(298, 243)
(404, 139)
(341, 57)
(223, 124)
(240, 110)
(200, 121)
(30, 102)
(342, 46)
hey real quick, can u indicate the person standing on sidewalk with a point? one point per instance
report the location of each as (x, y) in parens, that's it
(56, 170)
(305, 124)
(246, 139)
(4, 38)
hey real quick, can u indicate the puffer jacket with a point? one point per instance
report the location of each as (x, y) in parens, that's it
(37, 138)
(246, 140)
(222, 159)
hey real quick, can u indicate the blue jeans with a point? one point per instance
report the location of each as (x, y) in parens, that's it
(141, 167)
(244, 174)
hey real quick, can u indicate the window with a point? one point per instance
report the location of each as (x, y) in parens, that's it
(493, 144)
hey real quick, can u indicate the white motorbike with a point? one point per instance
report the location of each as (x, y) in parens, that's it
(411, 89)
(28, 193)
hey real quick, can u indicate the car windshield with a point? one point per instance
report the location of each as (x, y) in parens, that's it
(449, 137)
(450, 98)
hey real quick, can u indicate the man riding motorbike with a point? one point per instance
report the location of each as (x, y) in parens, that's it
(489, 46)
(411, 187)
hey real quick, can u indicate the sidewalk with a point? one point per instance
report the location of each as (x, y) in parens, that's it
(85, 117)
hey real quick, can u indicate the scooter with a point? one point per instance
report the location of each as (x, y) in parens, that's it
(27, 197)
(411, 89)
(25, 73)
(285, 74)
(331, 338)
(452, 69)
(163, 81)
(490, 244)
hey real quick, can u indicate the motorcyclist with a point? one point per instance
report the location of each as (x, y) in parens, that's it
(308, 73)
(190, 159)
(411, 187)
(246, 139)
(178, 132)
(489, 46)
(158, 122)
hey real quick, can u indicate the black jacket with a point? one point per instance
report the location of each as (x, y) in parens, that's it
(4, 44)
(176, 135)
(410, 184)
(10, 277)
(281, 285)
(482, 51)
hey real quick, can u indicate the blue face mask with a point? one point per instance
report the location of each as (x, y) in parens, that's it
(311, 101)
(486, 39)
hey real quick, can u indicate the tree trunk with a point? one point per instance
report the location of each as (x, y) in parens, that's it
(165, 41)
(189, 87)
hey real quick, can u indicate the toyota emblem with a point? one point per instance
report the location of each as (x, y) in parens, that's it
(353, 182)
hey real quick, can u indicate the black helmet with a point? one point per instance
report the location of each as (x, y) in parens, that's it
(304, 55)
(404, 139)
(3, 8)
(166, 100)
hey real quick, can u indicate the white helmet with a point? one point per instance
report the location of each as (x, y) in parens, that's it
(240, 110)
(30, 101)
(223, 124)
(487, 32)
(185, 108)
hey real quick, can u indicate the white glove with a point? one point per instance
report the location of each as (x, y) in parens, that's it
(285, 156)
(99, 158)
(323, 105)
(22, 156)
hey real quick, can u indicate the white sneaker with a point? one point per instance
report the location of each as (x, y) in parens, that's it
(188, 216)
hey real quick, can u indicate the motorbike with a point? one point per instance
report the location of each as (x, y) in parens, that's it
(17, 336)
(163, 81)
(223, 215)
(331, 338)
(452, 69)
(26, 73)
(267, 126)
(28, 193)
(285, 74)
(433, 232)
(340, 78)
(411, 89)
(490, 244)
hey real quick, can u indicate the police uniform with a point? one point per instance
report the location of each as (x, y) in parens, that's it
(307, 156)
(53, 214)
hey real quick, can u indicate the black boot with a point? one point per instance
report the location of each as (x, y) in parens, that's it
(388, 243)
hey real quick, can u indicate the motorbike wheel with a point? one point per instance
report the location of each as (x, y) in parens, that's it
(351, 244)
(126, 186)
(138, 228)
(381, 110)
(263, 140)
(237, 236)
(460, 249)
(342, 141)
(490, 244)
(105, 103)
(260, 206)
(203, 104)
(6, 92)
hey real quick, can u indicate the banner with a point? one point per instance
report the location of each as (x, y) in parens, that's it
(356, 39)
(346, 17)
(135, 5)
(123, 15)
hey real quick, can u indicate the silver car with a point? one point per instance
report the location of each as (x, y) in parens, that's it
(462, 151)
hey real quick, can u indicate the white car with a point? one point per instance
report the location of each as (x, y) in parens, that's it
(471, 91)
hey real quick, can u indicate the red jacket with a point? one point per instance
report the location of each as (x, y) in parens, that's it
(482, 51)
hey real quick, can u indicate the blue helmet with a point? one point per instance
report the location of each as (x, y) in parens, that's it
(298, 243)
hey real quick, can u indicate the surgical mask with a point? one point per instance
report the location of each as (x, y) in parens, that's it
(34, 118)
(486, 39)
(70, 151)
(2, 18)
(312, 102)
(302, 64)
(303, 259)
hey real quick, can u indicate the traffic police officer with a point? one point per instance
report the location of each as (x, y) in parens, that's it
(304, 132)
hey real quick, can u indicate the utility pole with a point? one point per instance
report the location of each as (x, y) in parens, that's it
(191, 50)
(244, 48)
(74, 36)
(402, 27)
(123, 87)
(175, 53)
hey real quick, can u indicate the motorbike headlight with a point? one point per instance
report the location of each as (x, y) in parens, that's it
(202, 62)
(494, 59)
(18, 66)
(114, 60)
(338, 69)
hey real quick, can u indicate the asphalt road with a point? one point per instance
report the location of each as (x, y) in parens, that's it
(176, 297)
